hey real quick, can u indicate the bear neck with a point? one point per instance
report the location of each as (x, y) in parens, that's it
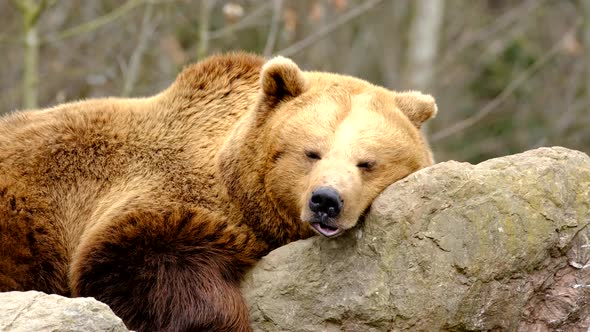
(242, 164)
(207, 103)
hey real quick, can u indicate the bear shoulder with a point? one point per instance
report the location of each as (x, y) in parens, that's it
(221, 73)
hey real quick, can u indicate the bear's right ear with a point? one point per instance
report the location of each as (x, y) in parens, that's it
(281, 79)
(418, 107)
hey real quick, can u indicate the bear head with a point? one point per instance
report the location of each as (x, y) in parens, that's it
(319, 147)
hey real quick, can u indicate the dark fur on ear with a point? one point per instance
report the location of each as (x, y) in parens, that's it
(281, 79)
(418, 107)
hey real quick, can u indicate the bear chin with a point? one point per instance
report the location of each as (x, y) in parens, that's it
(323, 224)
(329, 227)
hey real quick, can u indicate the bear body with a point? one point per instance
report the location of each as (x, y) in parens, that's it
(157, 206)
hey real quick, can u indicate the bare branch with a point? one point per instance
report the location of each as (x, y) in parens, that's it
(274, 28)
(147, 29)
(21, 6)
(510, 88)
(30, 12)
(246, 22)
(204, 15)
(37, 10)
(422, 50)
(568, 117)
(31, 69)
(99, 22)
(423, 43)
(329, 28)
(484, 34)
(585, 4)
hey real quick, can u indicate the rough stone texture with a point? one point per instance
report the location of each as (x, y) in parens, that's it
(501, 246)
(35, 311)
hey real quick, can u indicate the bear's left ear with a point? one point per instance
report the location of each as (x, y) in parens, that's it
(418, 107)
(281, 79)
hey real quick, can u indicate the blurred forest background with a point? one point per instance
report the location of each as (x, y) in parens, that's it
(508, 75)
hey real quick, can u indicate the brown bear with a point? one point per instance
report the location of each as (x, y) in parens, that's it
(157, 206)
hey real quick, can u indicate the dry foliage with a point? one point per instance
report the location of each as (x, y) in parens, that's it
(508, 75)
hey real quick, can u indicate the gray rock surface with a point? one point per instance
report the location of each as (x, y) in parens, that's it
(503, 245)
(35, 311)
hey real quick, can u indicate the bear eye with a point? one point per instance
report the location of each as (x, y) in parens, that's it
(313, 155)
(366, 165)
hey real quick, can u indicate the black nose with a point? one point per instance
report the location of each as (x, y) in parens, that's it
(326, 201)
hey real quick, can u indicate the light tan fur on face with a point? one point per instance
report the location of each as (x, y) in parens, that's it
(347, 123)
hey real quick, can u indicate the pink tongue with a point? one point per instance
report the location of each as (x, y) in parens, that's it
(324, 229)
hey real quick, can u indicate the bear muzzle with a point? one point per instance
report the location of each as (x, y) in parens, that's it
(326, 204)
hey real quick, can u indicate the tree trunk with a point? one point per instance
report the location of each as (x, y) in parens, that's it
(31, 68)
(585, 4)
(30, 11)
(204, 22)
(423, 44)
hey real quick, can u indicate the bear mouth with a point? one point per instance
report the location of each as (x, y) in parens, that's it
(326, 230)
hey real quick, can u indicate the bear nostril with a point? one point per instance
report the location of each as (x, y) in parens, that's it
(316, 199)
(326, 201)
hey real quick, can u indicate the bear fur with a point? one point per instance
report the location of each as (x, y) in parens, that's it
(157, 206)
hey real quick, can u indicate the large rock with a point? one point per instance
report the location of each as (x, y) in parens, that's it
(503, 245)
(35, 311)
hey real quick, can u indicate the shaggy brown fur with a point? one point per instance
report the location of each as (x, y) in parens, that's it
(157, 206)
